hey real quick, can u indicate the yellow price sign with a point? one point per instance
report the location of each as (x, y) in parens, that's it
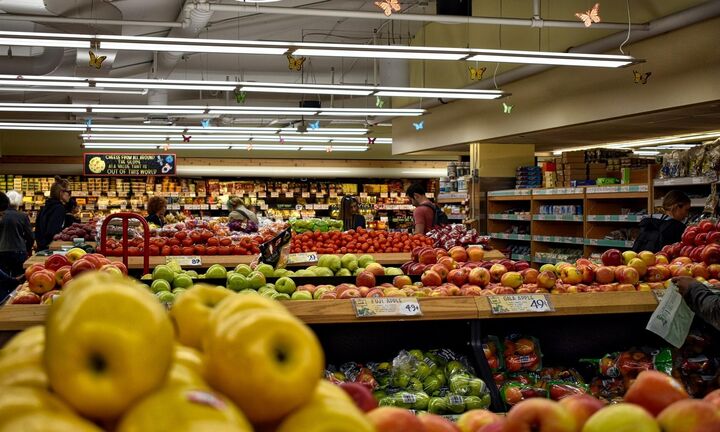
(386, 306)
(302, 258)
(520, 303)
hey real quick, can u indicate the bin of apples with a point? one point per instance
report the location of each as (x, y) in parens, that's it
(43, 281)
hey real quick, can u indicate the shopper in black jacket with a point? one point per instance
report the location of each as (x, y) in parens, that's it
(704, 302)
(51, 218)
(16, 239)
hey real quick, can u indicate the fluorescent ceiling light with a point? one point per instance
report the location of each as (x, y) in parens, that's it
(87, 90)
(696, 137)
(262, 147)
(646, 153)
(222, 46)
(299, 89)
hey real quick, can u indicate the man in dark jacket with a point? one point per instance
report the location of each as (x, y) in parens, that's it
(701, 299)
(51, 218)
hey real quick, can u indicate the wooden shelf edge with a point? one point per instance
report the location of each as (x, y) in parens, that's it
(19, 317)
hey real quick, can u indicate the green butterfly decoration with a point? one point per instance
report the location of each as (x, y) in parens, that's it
(507, 109)
(379, 102)
(240, 96)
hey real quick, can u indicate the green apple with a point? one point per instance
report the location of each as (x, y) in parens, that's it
(320, 291)
(216, 271)
(146, 276)
(343, 272)
(163, 272)
(280, 272)
(364, 260)
(256, 280)
(280, 296)
(349, 261)
(165, 297)
(192, 273)
(182, 281)
(237, 282)
(474, 402)
(268, 293)
(285, 285)
(248, 291)
(324, 272)
(393, 271)
(266, 287)
(358, 271)
(160, 285)
(330, 261)
(301, 295)
(265, 269)
(304, 273)
(437, 405)
(243, 269)
(432, 385)
(174, 266)
(178, 291)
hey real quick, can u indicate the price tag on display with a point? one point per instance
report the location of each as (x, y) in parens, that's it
(363, 195)
(274, 194)
(185, 260)
(306, 194)
(386, 306)
(384, 195)
(520, 303)
(261, 194)
(302, 258)
(289, 195)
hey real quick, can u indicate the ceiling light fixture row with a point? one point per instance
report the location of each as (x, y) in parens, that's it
(209, 110)
(270, 147)
(79, 127)
(673, 142)
(308, 49)
(140, 86)
(234, 138)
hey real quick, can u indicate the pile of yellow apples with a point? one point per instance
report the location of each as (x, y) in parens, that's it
(110, 357)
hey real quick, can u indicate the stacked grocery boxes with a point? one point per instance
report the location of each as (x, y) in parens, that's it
(528, 177)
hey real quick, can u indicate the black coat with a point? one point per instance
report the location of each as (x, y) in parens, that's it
(49, 222)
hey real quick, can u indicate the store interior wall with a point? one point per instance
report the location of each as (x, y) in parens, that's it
(685, 66)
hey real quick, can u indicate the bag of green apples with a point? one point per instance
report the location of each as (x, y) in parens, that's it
(405, 399)
(457, 404)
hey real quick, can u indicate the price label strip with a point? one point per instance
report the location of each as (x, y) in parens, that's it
(185, 260)
(386, 306)
(302, 258)
(520, 303)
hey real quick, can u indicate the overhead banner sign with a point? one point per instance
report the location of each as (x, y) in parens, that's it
(129, 164)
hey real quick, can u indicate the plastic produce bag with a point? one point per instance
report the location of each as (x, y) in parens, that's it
(513, 393)
(522, 353)
(492, 349)
(457, 404)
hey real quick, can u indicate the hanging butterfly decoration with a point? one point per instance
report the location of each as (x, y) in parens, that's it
(88, 123)
(314, 125)
(641, 78)
(240, 96)
(186, 138)
(166, 146)
(591, 16)
(282, 140)
(379, 102)
(371, 141)
(329, 149)
(96, 61)
(507, 109)
(249, 146)
(388, 6)
(476, 74)
(419, 125)
(205, 123)
(295, 63)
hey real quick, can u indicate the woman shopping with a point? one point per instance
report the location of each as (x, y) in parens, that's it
(668, 229)
(51, 218)
(350, 213)
(16, 238)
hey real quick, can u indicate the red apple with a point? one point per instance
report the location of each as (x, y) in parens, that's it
(690, 415)
(448, 262)
(581, 407)
(714, 398)
(401, 280)
(349, 293)
(60, 274)
(25, 296)
(81, 266)
(473, 420)
(361, 395)
(479, 276)
(55, 261)
(435, 423)
(32, 269)
(365, 278)
(48, 296)
(374, 292)
(496, 272)
(611, 257)
(458, 276)
(539, 415)
(431, 278)
(605, 275)
(42, 281)
(391, 419)
(458, 254)
(546, 279)
(427, 256)
(441, 270)
(376, 269)
(655, 391)
(530, 275)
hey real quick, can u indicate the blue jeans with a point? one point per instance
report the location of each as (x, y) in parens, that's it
(11, 262)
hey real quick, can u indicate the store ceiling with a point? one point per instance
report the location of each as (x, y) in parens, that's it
(225, 25)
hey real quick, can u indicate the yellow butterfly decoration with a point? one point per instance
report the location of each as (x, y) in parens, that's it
(641, 78)
(590, 16)
(476, 74)
(96, 61)
(507, 109)
(295, 64)
(388, 6)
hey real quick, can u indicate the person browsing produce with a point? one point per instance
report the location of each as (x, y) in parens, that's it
(16, 238)
(424, 213)
(350, 215)
(156, 207)
(239, 212)
(51, 217)
(701, 300)
(656, 233)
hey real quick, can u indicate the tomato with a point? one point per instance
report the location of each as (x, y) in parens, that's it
(165, 250)
(199, 249)
(212, 250)
(225, 241)
(187, 242)
(176, 250)
(224, 250)
(154, 250)
(180, 235)
(173, 242)
(213, 241)
(188, 250)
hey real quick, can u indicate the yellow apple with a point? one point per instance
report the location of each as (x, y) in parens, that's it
(19, 400)
(47, 421)
(191, 310)
(268, 362)
(189, 357)
(184, 409)
(628, 255)
(180, 374)
(108, 343)
(30, 337)
(329, 409)
(75, 254)
(622, 417)
(23, 367)
(236, 305)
